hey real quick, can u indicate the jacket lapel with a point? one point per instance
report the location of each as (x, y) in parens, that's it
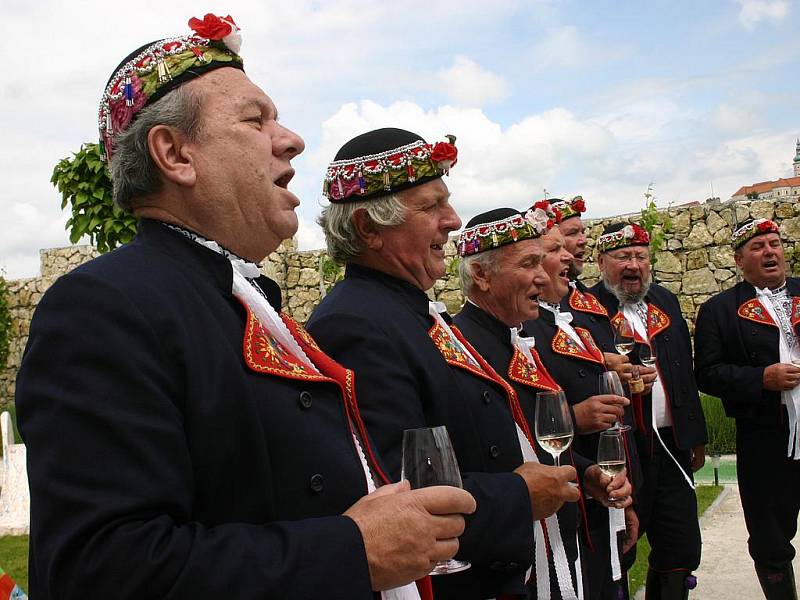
(535, 376)
(586, 303)
(563, 344)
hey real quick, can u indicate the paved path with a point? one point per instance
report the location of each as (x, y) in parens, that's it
(726, 571)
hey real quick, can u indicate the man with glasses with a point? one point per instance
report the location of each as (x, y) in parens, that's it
(747, 353)
(672, 435)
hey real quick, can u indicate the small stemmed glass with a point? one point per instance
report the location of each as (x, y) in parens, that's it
(554, 430)
(429, 459)
(611, 385)
(611, 453)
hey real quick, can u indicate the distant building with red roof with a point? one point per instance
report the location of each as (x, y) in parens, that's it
(781, 189)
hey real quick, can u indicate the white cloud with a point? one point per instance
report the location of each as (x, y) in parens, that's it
(754, 12)
(734, 119)
(467, 84)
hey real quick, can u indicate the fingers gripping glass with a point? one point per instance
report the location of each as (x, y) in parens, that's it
(611, 385)
(623, 336)
(554, 430)
(429, 459)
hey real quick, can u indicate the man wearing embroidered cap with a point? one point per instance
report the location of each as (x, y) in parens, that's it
(671, 427)
(747, 352)
(185, 440)
(502, 277)
(389, 219)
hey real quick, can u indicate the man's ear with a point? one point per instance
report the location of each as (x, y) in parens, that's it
(601, 262)
(737, 258)
(367, 230)
(480, 276)
(170, 152)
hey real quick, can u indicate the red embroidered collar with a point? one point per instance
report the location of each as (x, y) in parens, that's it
(587, 303)
(563, 344)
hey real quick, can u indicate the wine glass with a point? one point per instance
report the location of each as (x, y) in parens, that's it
(647, 355)
(623, 336)
(610, 384)
(554, 429)
(429, 459)
(611, 453)
(794, 353)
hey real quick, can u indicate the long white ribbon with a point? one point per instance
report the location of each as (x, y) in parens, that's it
(616, 523)
(790, 398)
(560, 561)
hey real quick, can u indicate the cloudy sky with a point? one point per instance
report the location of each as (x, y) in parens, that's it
(597, 98)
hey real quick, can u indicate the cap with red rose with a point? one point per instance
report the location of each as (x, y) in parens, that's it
(752, 229)
(501, 226)
(566, 209)
(622, 235)
(384, 161)
(155, 69)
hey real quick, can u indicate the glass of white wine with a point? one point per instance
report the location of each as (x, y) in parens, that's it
(611, 453)
(623, 336)
(429, 459)
(554, 430)
(610, 384)
(794, 354)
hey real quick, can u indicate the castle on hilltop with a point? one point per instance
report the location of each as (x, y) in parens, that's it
(785, 189)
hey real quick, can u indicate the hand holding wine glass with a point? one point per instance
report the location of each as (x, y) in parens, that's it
(647, 355)
(428, 460)
(623, 336)
(609, 383)
(611, 454)
(554, 430)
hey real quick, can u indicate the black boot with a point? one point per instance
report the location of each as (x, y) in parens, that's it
(777, 585)
(667, 586)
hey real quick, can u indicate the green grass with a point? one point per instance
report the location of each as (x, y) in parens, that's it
(14, 559)
(721, 428)
(706, 494)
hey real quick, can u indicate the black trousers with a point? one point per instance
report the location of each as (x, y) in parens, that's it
(597, 561)
(769, 485)
(668, 506)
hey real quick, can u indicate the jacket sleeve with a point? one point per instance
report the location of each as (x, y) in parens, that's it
(101, 410)
(714, 371)
(390, 400)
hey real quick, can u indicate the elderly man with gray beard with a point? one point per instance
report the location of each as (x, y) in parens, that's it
(672, 445)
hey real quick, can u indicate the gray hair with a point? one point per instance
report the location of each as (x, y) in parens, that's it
(628, 297)
(489, 262)
(341, 237)
(133, 171)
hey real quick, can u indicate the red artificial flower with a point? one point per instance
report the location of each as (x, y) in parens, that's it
(550, 223)
(557, 213)
(213, 27)
(579, 205)
(444, 151)
(765, 226)
(543, 204)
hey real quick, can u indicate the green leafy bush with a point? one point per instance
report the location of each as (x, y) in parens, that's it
(85, 184)
(5, 322)
(656, 224)
(721, 428)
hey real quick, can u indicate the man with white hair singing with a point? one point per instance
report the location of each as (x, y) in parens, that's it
(671, 431)
(747, 352)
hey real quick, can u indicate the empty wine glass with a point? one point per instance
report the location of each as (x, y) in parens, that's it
(554, 429)
(623, 336)
(609, 383)
(611, 453)
(429, 459)
(647, 355)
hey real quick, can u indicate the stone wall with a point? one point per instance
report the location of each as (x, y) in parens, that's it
(695, 263)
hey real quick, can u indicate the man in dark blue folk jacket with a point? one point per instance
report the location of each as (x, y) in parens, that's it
(672, 431)
(388, 220)
(502, 277)
(184, 439)
(747, 352)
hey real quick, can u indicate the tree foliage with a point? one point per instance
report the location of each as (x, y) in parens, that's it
(85, 185)
(656, 223)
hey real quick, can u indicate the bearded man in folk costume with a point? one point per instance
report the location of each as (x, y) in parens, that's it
(747, 352)
(671, 431)
(502, 276)
(388, 220)
(189, 440)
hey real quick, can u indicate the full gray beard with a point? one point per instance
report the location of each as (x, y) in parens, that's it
(628, 297)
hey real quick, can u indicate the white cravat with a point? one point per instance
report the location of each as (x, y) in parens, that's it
(435, 309)
(524, 345)
(790, 398)
(564, 322)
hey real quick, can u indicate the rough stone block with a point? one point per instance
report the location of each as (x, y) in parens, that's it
(790, 229)
(714, 222)
(784, 210)
(681, 222)
(697, 259)
(723, 274)
(667, 262)
(723, 236)
(700, 281)
(672, 286)
(722, 257)
(699, 237)
(762, 209)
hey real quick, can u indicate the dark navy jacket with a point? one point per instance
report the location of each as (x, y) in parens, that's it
(378, 326)
(673, 346)
(160, 465)
(733, 345)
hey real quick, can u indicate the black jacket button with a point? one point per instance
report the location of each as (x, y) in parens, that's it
(677, 363)
(494, 451)
(581, 373)
(511, 567)
(316, 483)
(306, 399)
(487, 397)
